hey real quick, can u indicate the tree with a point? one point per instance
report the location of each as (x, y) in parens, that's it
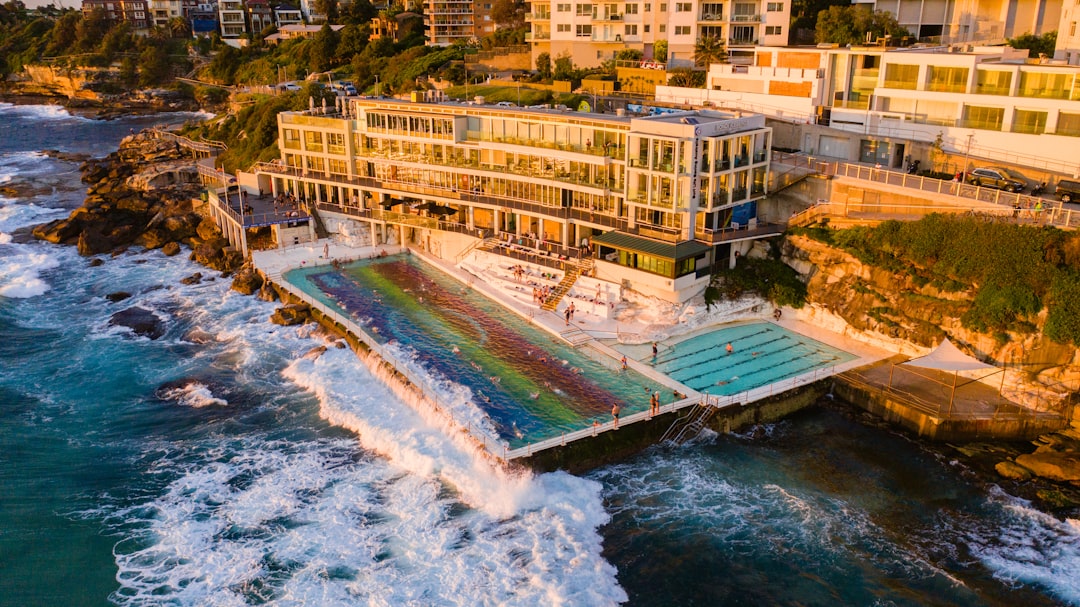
(686, 77)
(153, 65)
(508, 13)
(659, 51)
(323, 49)
(709, 50)
(64, 34)
(354, 39)
(129, 71)
(179, 27)
(360, 12)
(327, 8)
(564, 67)
(1036, 45)
(853, 24)
(543, 65)
(92, 29)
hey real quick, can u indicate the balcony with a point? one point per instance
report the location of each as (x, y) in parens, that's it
(612, 17)
(542, 16)
(711, 16)
(742, 41)
(530, 36)
(746, 18)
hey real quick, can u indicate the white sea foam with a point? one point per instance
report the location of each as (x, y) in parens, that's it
(41, 113)
(20, 270)
(194, 394)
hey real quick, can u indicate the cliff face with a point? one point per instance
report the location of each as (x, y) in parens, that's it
(73, 83)
(879, 306)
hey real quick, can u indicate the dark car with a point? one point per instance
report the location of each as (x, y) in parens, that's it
(998, 178)
(1067, 191)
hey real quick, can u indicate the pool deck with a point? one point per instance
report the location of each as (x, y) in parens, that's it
(586, 330)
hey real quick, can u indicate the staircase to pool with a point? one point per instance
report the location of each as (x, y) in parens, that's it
(573, 271)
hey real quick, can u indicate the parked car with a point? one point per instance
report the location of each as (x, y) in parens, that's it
(505, 104)
(998, 178)
(289, 86)
(1067, 191)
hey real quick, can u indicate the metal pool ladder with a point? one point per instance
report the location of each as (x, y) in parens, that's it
(690, 425)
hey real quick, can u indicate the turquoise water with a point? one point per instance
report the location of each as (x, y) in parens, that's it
(531, 385)
(762, 354)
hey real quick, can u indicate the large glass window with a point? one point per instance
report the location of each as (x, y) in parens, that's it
(335, 143)
(1029, 121)
(1047, 85)
(989, 118)
(1068, 125)
(899, 76)
(947, 79)
(292, 139)
(993, 82)
(313, 141)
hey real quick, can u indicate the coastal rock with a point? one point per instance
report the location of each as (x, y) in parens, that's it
(153, 238)
(118, 296)
(141, 321)
(1052, 465)
(247, 281)
(92, 242)
(198, 336)
(315, 352)
(170, 249)
(97, 261)
(207, 230)
(267, 292)
(1012, 470)
(58, 231)
(291, 314)
(194, 279)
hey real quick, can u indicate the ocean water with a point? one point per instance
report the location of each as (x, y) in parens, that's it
(223, 464)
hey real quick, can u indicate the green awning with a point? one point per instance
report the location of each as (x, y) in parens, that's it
(648, 246)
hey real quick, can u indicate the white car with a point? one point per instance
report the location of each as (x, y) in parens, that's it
(505, 104)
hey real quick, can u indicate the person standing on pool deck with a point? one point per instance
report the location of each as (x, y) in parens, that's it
(615, 409)
(654, 404)
(624, 362)
(568, 314)
(729, 348)
(655, 350)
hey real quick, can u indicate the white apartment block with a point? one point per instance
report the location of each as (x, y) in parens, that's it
(233, 18)
(161, 11)
(660, 199)
(991, 102)
(450, 21)
(592, 33)
(973, 21)
(1068, 37)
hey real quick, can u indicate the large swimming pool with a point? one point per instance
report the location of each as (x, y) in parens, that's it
(761, 354)
(531, 385)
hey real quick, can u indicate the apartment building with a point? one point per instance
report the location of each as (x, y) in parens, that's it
(990, 102)
(592, 33)
(233, 18)
(285, 14)
(660, 199)
(450, 21)
(135, 12)
(1068, 36)
(973, 21)
(161, 11)
(259, 15)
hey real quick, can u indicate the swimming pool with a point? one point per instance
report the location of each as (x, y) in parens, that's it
(761, 354)
(531, 385)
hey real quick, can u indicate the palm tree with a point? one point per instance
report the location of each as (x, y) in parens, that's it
(179, 27)
(709, 50)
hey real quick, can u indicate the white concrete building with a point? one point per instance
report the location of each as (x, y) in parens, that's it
(233, 18)
(660, 199)
(1068, 36)
(973, 21)
(161, 11)
(592, 33)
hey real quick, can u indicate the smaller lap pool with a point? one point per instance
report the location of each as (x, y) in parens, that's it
(761, 354)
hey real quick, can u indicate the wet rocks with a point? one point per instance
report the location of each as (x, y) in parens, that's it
(118, 296)
(194, 279)
(291, 314)
(170, 249)
(141, 321)
(247, 281)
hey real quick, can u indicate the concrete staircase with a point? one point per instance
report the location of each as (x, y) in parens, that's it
(689, 426)
(564, 286)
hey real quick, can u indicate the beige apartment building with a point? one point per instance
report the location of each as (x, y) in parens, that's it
(592, 33)
(1068, 37)
(656, 201)
(972, 21)
(450, 21)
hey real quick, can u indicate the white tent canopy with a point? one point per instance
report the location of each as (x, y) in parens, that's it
(947, 357)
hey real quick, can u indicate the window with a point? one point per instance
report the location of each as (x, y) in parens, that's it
(1046, 85)
(1029, 121)
(335, 143)
(663, 28)
(292, 139)
(647, 28)
(993, 82)
(631, 30)
(584, 31)
(773, 30)
(1072, 28)
(338, 167)
(947, 79)
(1068, 125)
(775, 7)
(313, 141)
(899, 76)
(663, 7)
(563, 27)
(684, 7)
(631, 9)
(989, 118)
(648, 7)
(584, 10)
(682, 30)
(562, 8)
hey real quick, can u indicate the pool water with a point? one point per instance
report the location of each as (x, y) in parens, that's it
(761, 354)
(531, 385)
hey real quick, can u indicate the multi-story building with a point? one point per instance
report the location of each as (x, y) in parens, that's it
(135, 12)
(660, 199)
(233, 18)
(1068, 36)
(450, 21)
(592, 33)
(161, 11)
(285, 14)
(974, 21)
(991, 102)
(259, 15)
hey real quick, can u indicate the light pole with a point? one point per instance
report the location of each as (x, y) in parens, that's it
(377, 85)
(967, 154)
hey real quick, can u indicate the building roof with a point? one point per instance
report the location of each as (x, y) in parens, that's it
(656, 248)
